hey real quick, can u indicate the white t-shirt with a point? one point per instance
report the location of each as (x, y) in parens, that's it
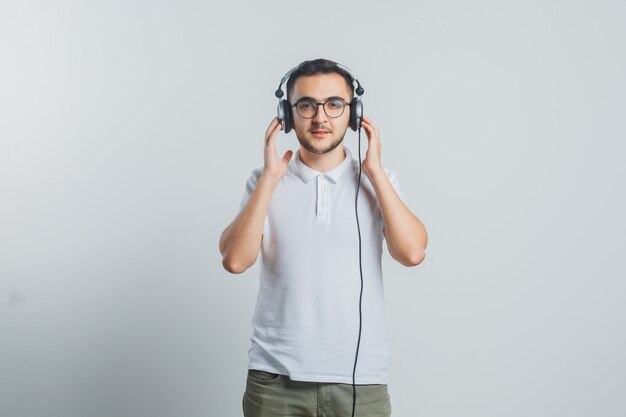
(306, 320)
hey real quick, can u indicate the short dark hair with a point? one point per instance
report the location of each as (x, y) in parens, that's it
(318, 66)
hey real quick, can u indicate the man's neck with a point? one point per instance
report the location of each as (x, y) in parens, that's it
(323, 162)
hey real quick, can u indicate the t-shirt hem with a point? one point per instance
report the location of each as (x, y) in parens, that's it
(321, 378)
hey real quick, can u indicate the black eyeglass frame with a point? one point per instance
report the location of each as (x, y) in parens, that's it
(323, 104)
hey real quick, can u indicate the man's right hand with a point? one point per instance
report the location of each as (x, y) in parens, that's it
(274, 167)
(241, 240)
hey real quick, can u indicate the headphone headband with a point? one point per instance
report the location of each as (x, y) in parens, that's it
(359, 90)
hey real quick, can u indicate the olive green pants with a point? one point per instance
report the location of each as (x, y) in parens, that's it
(269, 395)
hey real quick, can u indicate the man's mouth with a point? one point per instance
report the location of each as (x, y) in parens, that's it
(320, 133)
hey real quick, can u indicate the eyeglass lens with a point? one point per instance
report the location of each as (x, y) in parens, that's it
(333, 108)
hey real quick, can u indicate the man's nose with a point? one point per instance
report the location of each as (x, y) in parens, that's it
(320, 114)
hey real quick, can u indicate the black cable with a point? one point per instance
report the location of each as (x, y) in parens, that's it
(358, 344)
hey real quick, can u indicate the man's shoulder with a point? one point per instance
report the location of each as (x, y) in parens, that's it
(255, 175)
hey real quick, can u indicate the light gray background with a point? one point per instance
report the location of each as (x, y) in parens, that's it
(128, 129)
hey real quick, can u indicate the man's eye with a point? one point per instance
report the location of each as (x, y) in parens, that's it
(304, 105)
(336, 104)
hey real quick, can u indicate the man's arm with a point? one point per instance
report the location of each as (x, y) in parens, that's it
(405, 234)
(241, 240)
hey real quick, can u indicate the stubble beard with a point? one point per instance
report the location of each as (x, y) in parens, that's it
(309, 147)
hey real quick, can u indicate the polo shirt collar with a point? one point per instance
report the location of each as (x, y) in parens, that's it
(307, 173)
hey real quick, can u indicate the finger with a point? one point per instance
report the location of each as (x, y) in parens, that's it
(271, 127)
(368, 128)
(287, 156)
(269, 139)
(368, 120)
(369, 125)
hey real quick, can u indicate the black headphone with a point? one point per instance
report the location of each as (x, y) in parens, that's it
(285, 114)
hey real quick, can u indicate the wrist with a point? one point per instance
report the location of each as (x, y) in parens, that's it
(269, 177)
(374, 174)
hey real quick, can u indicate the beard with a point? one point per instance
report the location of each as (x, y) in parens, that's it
(309, 147)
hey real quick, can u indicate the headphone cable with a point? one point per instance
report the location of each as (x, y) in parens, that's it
(358, 344)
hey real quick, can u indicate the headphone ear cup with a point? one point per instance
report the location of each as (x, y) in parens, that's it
(356, 113)
(280, 112)
(288, 116)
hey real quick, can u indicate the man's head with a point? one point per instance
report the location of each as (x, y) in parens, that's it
(320, 128)
(314, 67)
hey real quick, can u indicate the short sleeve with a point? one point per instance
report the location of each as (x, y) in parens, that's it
(393, 179)
(250, 187)
(249, 190)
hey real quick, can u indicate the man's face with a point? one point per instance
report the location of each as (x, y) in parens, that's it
(321, 134)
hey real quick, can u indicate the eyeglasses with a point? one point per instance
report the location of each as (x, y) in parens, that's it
(333, 107)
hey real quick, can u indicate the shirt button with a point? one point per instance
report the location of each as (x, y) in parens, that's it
(323, 188)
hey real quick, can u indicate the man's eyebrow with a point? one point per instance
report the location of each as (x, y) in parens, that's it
(326, 99)
(336, 97)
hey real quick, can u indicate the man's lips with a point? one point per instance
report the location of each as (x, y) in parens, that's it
(318, 133)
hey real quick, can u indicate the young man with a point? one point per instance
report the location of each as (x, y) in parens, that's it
(299, 212)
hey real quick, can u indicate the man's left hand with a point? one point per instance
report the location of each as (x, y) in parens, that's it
(372, 164)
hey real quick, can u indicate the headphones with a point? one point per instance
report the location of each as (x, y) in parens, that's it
(285, 113)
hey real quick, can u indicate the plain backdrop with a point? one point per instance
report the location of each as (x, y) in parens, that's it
(128, 130)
